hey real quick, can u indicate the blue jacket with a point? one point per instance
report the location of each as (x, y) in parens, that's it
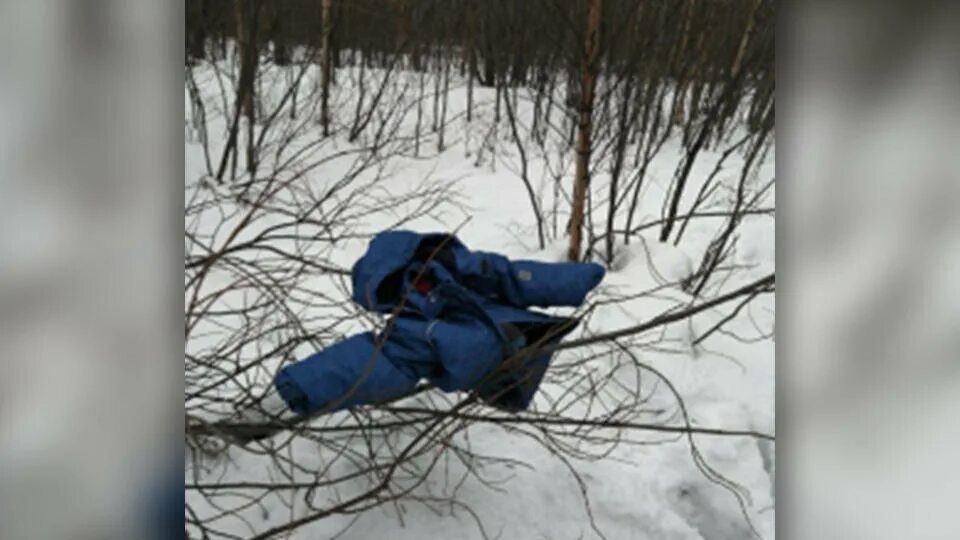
(456, 315)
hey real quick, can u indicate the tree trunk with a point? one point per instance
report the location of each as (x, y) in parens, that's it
(471, 60)
(470, 71)
(247, 29)
(489, 70)
(623, 132)
(591, 50)
(325, 67)
(436, 92)
(416, 133)
(246, 14)
(246, 40)
(281, 53)
(745, 38)
(443, 106)
(198, 40)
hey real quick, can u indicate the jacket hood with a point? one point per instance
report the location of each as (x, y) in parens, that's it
(378, 275)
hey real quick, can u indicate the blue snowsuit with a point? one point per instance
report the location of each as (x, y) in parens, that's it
(456, 316)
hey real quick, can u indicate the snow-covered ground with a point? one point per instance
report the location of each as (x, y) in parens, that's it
(648, 487)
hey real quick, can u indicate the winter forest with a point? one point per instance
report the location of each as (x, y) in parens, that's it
(637, 134)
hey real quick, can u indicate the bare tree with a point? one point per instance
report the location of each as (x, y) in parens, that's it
(326, 59)
(588, 79)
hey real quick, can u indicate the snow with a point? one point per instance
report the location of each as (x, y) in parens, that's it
(647, 487)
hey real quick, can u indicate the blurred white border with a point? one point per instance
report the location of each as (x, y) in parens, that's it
(870, 301)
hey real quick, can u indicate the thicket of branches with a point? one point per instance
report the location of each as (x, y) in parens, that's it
(301, 108)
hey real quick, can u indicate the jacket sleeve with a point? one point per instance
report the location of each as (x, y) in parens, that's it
(525, 283)
(351, 372)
